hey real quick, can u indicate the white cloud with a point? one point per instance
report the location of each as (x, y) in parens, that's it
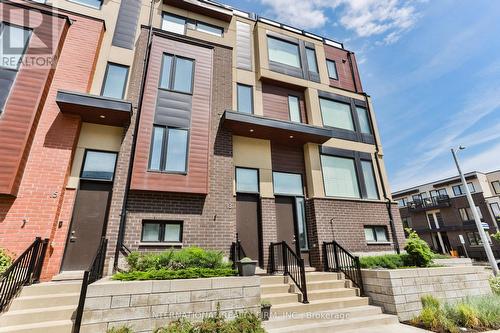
(385, 18)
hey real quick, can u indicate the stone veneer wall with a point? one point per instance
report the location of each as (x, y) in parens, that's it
(146, 305)
(399, 291)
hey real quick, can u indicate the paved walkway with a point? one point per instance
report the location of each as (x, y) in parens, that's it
(395, 328)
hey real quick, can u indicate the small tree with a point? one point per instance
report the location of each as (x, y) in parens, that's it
(419, 252)
(496, 236)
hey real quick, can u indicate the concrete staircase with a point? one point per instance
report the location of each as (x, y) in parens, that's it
(42, 308)
(334, 306)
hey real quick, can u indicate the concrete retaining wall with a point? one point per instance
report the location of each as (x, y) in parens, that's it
(146, 305)
(453, 262)
(399, 291)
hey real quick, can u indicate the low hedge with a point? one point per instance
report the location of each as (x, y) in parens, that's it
(173, 274)
(389, 261)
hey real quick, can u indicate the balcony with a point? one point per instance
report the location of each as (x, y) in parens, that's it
(441, 201)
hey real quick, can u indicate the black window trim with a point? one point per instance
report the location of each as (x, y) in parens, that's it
(172, 73)
(124, 88)
(194, 23)
(163, 153)
(492, 185)
(87, 150)
(357, 157)
(353, 103)
(376, 241)
(298, 104)
(291, 173)
(459, 186)
(236, 180)
(161, 234)
(238, 97)
(334, 66)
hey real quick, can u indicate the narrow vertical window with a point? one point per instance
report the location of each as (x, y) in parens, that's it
(311, 60)
(364, 120)
(369, 177)
(165, 71)
(156, 148)
(332, 69)
(174, 24)
(294, 108)
(115, 81)
(176, 150)
(245, 100)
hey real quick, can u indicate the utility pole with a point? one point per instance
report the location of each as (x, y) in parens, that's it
(472, 205)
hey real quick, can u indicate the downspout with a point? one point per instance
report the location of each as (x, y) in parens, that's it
(123, 215)
(384, 190)
(351, 66)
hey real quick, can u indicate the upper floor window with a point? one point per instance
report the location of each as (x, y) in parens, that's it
(247, 180)
(332, 69)
(467, 215)
(244, 98)
(294, 108)
(209, 29)
(438, 193)
(364, 120)
(336, 114)
(169, 149)
(98, 165)
(311, 60)
(402, 202)
(115, 81)
(420, 196)
(283, 52)
(177, 74)
(495, 208)
(496, 186)
(90, 3)
(174, 23)
(459, 189)
(287, 183)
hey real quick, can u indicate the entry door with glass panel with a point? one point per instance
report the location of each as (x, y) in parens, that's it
(290, 212)
(90, 211)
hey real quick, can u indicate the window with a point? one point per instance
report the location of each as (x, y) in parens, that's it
(13, 43)
(406, 222)
(459, 189)
(339, 176)
(173, 23)
(90, 3)
(247, 180)
(467, 215)
(287, 183)
(294, 108)
(332, 69)
(115, 81)
(161, 232)
(402, 202)
(283, 52)
(177, 74)
(209, 29)
(369, 177)
(438, 193)
(495, 208)
(336, 114)
(245, 98)
(474, 238)
(364, 120)
(311, 60)
(301, 223)
(496, 186)
(169, 149)
(98, 165)
(376, 234)
(419, 197)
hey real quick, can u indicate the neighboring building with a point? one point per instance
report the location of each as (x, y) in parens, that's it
(440, 213)
(245, 126)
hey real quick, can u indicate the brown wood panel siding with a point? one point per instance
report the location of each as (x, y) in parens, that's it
(196, 179)
(275, 102)
(288, 158)
(27, 95)
(344, 72)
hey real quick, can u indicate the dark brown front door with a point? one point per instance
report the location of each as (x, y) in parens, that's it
(285, 220)
(247, 224)
(87, 225)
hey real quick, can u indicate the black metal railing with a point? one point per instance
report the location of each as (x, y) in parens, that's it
(25, 270)
(338, 259)
(91, 275)
(429, 203)
(237, 251)
(282, 259)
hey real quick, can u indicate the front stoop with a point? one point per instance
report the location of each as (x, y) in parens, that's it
(43, 308)
(334, 306)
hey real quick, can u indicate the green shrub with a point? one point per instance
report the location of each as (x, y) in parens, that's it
(419, 252)
(173, 274)
(496, 236)
(495, 284)
(5, 260)
(121, 329)
(390, 261)
(433, 316)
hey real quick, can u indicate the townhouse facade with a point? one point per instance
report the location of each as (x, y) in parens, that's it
(164, 124)
(440, 213)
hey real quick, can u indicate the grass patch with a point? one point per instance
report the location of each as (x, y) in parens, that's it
(121, 329)
(495, 284)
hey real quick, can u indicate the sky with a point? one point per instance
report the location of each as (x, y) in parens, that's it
(432, 68)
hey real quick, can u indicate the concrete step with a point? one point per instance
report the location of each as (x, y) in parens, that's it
(33, 316)
(69, 276)
(274, 289)
(283, 298)
(60, 326)
(314, 295)
(322, 285)
(339, 314)
(273, 279)
(338, 325)
(51, 288)
(321, 276)
(319, 305)
(44, 301)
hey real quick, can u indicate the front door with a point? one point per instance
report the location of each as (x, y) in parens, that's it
(285, 220)
(247, 224)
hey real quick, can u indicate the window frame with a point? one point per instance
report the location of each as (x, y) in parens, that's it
(236, 180)
(462, 192)
(404, 201)
(336, 78)
(85, 153)
(221, 29)
(373, 229)
(298, 105)
(238, 98)
(493, 183)
(85, 4)
(313, 49)
(161, 234)
(288, 194)
(357, 157)
(171, 77)
(164, 152)
(492, 204)
(165, 13)
(290, 41)
(124, 88)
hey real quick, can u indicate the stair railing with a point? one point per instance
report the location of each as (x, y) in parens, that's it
(237, 251)
(282, 259)
(338, 259)
(91, 275)
(25, 270)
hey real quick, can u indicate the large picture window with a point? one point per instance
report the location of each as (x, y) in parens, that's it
(177, 74)
(283, 52)
(169, 149)
(336, 114)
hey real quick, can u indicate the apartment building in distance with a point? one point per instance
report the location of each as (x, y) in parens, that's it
(166, 124)
(440, 213)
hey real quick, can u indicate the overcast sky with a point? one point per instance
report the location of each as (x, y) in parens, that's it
(431, 67)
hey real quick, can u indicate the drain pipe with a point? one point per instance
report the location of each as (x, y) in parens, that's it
(123, 215)
(384, 190)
